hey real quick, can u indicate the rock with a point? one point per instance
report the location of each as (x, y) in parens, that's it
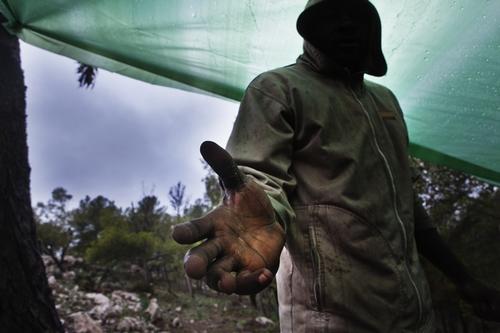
(69, 276)
(69, 261)
(153, 309)
(126, 300)
(98, 298)
(104, 308)
(47, 260)
(81, 322)
(125, 295)
(52, 281)
(156, 315)
(176, 322)
(130, 324)
(264, 321)
(114, 311)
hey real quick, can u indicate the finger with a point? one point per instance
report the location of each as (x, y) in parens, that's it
(219, 275)
(223, 165)
(193, 231)
(253, 282)
(198, 258)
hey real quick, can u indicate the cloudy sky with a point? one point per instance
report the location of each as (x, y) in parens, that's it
(122, 139)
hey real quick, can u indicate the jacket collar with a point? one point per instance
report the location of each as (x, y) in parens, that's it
(319, 62)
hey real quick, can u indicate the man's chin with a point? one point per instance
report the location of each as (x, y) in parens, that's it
(345, 59)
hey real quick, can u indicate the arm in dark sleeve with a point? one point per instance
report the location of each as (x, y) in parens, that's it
(431, 245)
(434, 248)
(261, 143)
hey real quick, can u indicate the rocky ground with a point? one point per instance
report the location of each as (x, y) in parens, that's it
(123, 311)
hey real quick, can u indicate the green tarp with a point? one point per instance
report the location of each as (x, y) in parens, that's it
(443, 56)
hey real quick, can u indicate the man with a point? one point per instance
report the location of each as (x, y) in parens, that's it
(323, 168)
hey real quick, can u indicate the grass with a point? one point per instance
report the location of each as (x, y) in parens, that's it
(209, 311)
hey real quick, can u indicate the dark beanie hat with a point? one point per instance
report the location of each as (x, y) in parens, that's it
(376, 64)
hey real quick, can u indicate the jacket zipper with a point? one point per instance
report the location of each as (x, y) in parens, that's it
(316, 263)
(394, 204)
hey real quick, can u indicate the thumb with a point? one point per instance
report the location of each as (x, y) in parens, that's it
(223, 165)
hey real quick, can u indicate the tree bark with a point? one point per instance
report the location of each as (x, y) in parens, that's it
(26, 303)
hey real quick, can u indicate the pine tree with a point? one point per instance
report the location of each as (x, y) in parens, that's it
(26, 304)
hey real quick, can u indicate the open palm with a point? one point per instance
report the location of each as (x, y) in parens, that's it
(241, 235)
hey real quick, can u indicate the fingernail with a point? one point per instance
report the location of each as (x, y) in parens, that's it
(263, 278)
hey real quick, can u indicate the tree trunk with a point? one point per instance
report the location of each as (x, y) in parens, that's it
(26, 303)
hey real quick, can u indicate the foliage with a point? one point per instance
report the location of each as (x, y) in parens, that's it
(140, 237)
(55, 241)
(196, 210)
(213, 193)
(90, 218)
(86, 75)
(476, 238)
(464, 209)
(54, 211)
(211, 198)
(117, 244)
(449, 194)
(176, 197)
(466, 212)
(54, 231)
(148, 214)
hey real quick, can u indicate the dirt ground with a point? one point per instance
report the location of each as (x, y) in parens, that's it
(217, 312)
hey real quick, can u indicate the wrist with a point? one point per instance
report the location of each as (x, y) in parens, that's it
(280, 213)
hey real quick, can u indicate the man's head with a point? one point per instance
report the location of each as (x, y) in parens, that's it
(347, 31)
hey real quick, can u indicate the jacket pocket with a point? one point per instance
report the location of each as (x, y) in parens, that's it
(354, 273)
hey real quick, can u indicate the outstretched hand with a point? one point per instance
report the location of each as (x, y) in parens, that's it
(242, 239)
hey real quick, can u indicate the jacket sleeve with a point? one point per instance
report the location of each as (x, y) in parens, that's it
(422, 220)
(261, 143)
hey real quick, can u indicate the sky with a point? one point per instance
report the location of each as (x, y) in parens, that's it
(123, 139)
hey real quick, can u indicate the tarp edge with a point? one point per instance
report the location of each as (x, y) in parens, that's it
(439, 158)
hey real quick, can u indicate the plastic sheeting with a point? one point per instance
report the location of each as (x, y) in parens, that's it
(443, 56)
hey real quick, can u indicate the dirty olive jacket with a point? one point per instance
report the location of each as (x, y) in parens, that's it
(330, 149)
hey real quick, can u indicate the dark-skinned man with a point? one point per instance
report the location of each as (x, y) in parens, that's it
(322, 169)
